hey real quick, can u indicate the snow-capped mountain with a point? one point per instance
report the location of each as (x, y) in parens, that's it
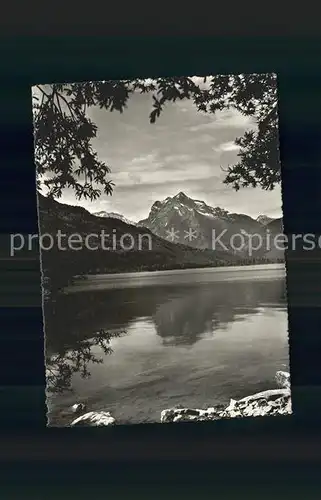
(264, 219)
(114, 215)
(192, 222)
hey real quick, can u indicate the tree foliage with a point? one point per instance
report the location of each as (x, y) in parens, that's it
(63, 131)
(69, 360)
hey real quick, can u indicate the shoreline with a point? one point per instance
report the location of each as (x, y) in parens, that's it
(266, 403)
(249, 267)
(86, 282)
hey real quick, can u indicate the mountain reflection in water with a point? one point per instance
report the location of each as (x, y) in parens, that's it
(81, 331)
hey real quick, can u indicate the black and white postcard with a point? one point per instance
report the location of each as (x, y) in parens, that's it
(162, 250)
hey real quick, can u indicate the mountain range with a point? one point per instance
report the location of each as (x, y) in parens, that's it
(59, 267)
(186, 216)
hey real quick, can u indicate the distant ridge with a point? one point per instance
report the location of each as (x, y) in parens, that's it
(114, 215)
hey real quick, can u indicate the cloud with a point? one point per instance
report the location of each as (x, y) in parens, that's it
(143, 159)
(137, 179)
(193, 171)
(176, 158)
(221, 120)
(182, 151)
(227, 146)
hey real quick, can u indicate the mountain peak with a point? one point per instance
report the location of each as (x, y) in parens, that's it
(264, 219)
(181, 196)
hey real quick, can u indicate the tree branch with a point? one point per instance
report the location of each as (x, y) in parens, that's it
(70, 109)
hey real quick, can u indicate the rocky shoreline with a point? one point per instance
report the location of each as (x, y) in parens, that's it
(266, 403)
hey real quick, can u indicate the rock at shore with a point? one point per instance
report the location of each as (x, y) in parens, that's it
(78, 408)
(189, 415)
(272, 402)
(94, 419)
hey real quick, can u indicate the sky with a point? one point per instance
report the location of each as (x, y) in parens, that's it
(185, 150)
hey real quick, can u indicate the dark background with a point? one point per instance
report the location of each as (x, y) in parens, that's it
(247, 457)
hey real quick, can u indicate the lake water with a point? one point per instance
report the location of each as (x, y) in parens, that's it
(191, 337)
